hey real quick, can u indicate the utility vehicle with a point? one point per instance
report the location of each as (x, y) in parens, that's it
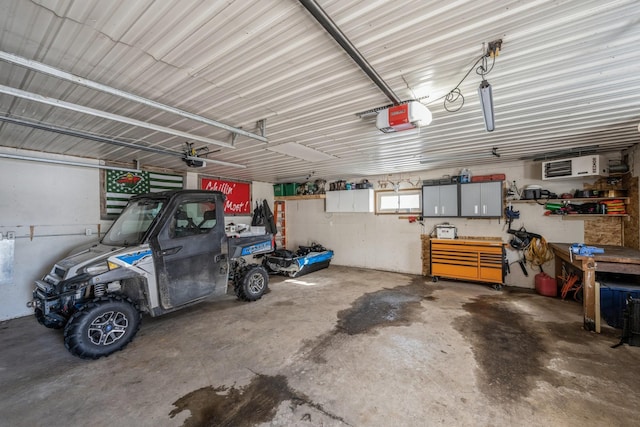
(166, 251)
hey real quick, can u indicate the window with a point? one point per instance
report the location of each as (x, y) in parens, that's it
(133, 223)
(402, 201)
(193, 218)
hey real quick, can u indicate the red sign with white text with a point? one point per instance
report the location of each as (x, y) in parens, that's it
(238, 194)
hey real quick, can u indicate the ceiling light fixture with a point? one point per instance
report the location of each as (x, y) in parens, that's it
(484, 91)
(486, 103)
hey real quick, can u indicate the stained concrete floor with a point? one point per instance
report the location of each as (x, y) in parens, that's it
(339, 347)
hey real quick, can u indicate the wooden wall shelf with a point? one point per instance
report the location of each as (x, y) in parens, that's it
(306, 197)
(542, 202)
(579, 200)
(591, 216)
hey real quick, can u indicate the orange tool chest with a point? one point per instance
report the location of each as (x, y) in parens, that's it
(474, 260)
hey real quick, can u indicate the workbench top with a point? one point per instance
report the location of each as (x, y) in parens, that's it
(612, 253)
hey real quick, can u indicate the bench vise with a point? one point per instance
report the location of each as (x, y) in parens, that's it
(584, 250)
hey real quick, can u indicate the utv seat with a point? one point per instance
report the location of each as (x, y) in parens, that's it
(208, 221)
(185, 225)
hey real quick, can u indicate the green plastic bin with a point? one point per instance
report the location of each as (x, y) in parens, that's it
(291, 189)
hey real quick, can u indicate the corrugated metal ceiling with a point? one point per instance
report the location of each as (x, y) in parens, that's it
(567, 77)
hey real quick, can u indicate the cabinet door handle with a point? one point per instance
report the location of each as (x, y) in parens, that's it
(484, 209)
(436, 210)
(475, 209)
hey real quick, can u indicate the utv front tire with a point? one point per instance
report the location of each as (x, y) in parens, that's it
(49, 322)
(252, 284)
(101, 327)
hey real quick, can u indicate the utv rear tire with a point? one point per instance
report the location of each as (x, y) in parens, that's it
(252, 284)
(265, 264)
(101, 327)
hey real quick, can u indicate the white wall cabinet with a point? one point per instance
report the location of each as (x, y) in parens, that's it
(350, 201)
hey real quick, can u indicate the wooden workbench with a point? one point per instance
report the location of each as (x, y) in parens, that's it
(615, 259)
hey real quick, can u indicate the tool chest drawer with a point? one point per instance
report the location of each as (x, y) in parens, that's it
(474, 260)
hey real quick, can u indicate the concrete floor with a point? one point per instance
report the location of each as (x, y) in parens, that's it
(338, 347)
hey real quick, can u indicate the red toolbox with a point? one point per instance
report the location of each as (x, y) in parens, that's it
(483, 178)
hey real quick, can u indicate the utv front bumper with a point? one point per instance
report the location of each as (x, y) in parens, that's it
(47, 299)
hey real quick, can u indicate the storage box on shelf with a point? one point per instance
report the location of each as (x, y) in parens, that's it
(291, 189)
(278, 190)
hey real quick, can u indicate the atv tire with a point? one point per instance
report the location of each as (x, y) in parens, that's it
(48, 322)
(265, 264)
(101, 327)
(252, 284)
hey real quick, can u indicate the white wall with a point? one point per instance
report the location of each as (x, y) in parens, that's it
(387, 243)
(59, 203)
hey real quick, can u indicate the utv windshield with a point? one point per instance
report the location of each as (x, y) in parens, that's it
(133, 223)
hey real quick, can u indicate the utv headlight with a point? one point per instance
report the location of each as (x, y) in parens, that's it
(100, 268)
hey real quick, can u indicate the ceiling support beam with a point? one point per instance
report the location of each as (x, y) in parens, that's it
(91, 137)
(67, 163)
(323, 19)
(84, 135)
(55, 72)
(103, 114)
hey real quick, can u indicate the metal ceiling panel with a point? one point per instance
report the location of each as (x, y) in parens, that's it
(566, 78)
